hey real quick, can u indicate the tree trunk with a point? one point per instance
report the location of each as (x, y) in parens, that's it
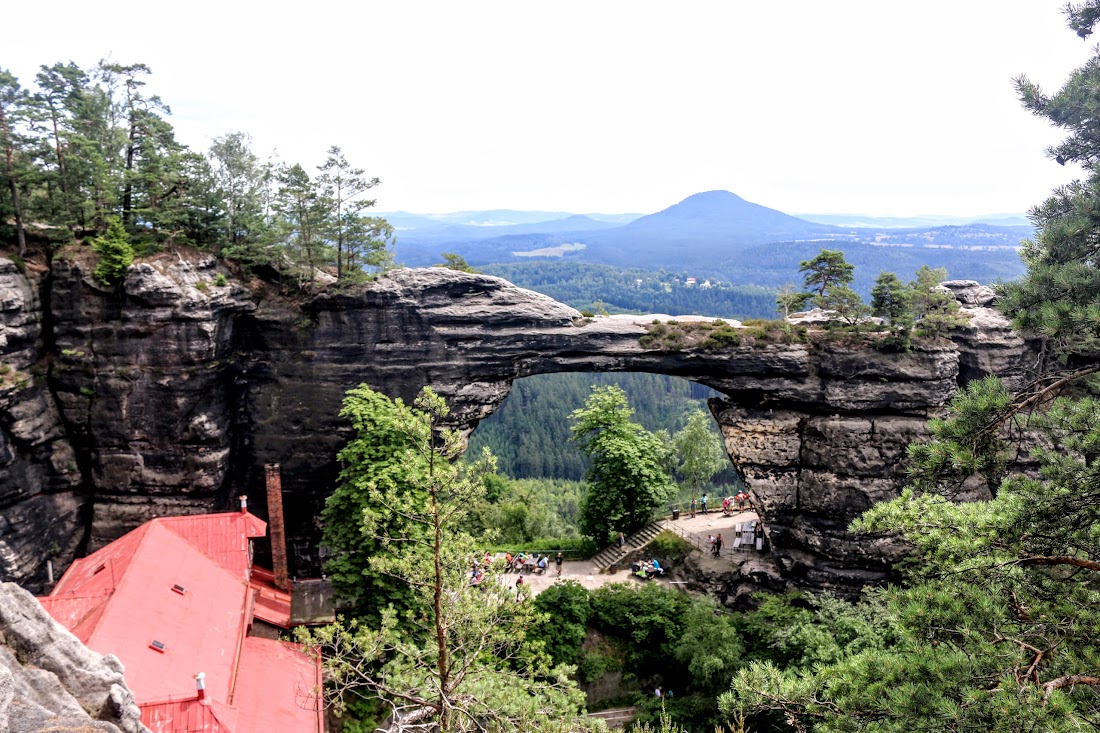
(61, 176)
(9, 160)
(128, 188)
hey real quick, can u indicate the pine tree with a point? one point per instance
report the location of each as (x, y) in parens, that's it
(115, 253)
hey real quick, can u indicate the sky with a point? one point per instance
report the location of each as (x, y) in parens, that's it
(848, 106)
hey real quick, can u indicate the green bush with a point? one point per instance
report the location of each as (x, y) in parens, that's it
(220, 281)
(574, 548)
(670, 547)
(595, 665)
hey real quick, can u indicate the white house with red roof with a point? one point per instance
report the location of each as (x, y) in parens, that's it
(175, 600)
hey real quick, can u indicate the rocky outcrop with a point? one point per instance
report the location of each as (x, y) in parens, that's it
(174, 391)
(50, 681)
(144, 379)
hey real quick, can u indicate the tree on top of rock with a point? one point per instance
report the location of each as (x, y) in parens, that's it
(826, 271)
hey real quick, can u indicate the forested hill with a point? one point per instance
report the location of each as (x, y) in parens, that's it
(599, 288)
(530, 433)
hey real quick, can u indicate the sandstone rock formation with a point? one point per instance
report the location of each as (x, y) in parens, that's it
(50, 681)
(173, 392)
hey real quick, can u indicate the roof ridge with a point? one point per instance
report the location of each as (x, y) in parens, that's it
(116, 583)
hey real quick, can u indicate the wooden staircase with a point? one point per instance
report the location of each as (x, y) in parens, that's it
(636, 541)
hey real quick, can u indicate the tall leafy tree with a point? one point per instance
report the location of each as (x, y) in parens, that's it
(465, 664)
(627, 480)
(374, 463)
(699, 450)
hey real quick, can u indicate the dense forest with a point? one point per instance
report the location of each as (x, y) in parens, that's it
(530, 433)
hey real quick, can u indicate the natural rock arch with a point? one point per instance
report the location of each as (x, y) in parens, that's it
(817, 431)
(173, 398)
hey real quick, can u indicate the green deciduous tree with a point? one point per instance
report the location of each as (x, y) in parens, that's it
(457, 659)
(373, 461)
(626, 479)
(699, 450)
(892, 301)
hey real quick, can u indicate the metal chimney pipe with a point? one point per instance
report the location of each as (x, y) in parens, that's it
(276, 526)
(244, 503)
(200, 685)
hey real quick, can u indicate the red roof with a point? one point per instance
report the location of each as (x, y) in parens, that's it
(272, 604)
(273, 700)
(172, 599)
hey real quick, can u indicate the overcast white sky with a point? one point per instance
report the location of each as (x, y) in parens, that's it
(848, 106)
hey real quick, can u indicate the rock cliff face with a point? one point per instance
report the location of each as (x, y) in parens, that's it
(174, 392)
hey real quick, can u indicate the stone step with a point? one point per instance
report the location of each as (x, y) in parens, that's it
(636, 541)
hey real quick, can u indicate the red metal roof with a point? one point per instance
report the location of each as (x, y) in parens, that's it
(188, 716)
(171, 599)
(272, 604)
(274, 700)
(221, 537)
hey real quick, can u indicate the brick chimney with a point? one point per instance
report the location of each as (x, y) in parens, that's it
(275, 525)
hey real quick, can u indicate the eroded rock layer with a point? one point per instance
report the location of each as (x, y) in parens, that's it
(169, 394)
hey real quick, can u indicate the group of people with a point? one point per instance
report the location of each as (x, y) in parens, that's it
(647, 569)
(741, 499)
(531, 563)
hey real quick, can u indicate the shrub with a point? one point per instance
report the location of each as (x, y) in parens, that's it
(574, 548)
(220, 281)
(115, 253)
(670, 547)
(595, 665)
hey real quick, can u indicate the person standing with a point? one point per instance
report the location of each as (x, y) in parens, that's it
(691, 508)
(622, 543)
(718, 545)
(558, 561)
(519, 588)
(703, 503)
